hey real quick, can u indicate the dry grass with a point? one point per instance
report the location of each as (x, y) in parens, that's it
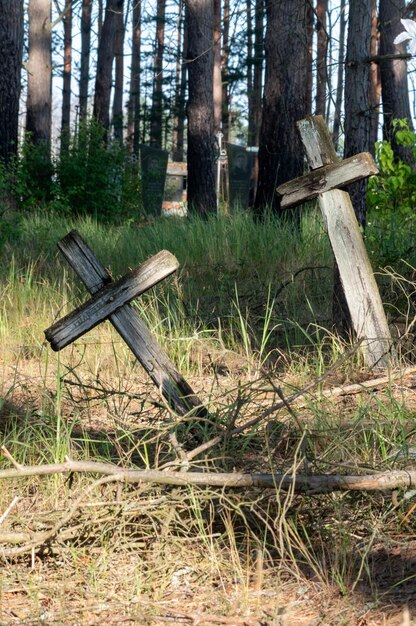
(158, 555)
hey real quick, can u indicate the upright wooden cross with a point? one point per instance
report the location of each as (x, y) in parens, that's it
(110, 300)
(360, 288)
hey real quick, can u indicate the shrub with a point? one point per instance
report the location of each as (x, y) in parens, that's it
(391, 200)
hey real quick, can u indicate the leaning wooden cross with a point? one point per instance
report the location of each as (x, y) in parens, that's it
(361, 292)
(110, 300)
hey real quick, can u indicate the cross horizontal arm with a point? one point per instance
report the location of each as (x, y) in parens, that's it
(110, 298)
(326, 178)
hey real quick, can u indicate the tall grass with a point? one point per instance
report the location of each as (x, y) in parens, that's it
(246, 318)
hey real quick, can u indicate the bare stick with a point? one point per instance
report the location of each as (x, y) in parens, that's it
(275, 407)
(303, 484)
(10, 458)
(9, 508)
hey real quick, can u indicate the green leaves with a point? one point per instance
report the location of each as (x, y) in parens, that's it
(391, 200)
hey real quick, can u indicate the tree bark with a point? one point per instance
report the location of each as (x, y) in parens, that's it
(67, 76)
(340, 75)
(85, 58)
(258, 68)
(217, 67)
(133, 129)
(39, 69)
(156, 114)
(119, 79)
(200, 107)
(375, 83)
(309, 75)
(285, 99)
(250, 77)
(357, 90)
(180, 89)
(105, 58)
(322, 49)
(393, 72)
(225, 53)
(11, 50)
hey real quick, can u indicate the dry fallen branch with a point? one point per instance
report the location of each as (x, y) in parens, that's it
(313, 484)
(372, 383)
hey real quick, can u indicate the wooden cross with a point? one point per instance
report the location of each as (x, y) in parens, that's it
(110, 300)
(361, 291)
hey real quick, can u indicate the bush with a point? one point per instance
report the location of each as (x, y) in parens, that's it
(90, 177)
(98, 178)
(391, 200)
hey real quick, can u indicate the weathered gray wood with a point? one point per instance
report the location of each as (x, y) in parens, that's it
(110, 298)
(326, 178)
(171, 384)
(361, 291)
(317, 141)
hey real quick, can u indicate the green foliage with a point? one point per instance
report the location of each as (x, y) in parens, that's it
(90, 177)
(96, 177)
(33, 174)
(391, 200)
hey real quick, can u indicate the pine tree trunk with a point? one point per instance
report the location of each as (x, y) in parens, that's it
(225, 53)
(281, 156)
(357, 91)
(310, 18)
(394, 88)
(133, 123)
(217, 67)
(322, 49)
(258, 68)
(39, 70)
(11, 50)
(85, 58)
(340, 75)
(250, 77)
(200, 107)
(375, 82)
(180, 89)
(157, 96)
(105, 58)
(119, 79)
(67, 76)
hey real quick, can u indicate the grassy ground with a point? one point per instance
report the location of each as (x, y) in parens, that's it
(245, 320)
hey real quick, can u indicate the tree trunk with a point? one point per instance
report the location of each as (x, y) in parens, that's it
(11, 50)
(85, 58)
(217, 67)
(281, 155)
(157, 96)
(340, 75)
(133, 124)
(39, 70)
(100, 20)
(357, 89)
(67, 75)
(394, 89)
(200, 107)
(322, 49)
(375, 83)
(105, 58)
(119, 79)
(225, 53)
(309, 76)
(180, 89)
(258, 68)
(250, 77)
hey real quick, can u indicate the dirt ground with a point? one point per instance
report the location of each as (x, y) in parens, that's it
(103, 584)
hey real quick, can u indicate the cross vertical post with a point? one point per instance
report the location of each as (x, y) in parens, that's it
(360, 287)
(110, 300)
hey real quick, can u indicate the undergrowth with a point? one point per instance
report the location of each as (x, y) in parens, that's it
(246, 321)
